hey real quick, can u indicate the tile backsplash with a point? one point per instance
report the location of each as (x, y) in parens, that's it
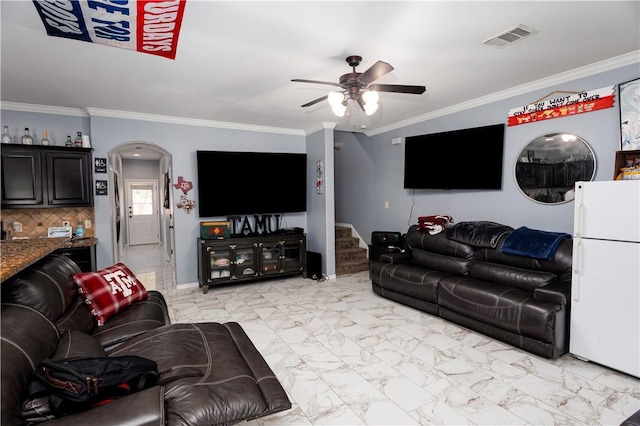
(35, 222)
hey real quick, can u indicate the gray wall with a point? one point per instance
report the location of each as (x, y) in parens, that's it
(321, 207)
(369, 170)
(141, 169)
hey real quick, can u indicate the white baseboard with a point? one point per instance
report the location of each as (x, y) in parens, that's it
(187, 285)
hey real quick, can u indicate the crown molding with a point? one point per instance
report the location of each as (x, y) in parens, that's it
(99, 112)
(586, 71)
(128, 115)
(330, 125)
(43, 109)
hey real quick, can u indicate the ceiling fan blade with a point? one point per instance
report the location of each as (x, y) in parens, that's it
(315, 101)
(374, 72)
(398, 88)
(360, 102)
(302, 80)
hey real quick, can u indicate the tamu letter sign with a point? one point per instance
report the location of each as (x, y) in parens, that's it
(148, 26)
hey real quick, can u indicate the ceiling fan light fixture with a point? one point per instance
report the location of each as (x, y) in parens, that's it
(337, 102)
(370, 109)
(370, 99)
(339, 110)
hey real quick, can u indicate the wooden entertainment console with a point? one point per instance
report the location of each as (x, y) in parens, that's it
(241, 259)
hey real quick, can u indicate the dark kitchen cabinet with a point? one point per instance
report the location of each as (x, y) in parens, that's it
(42, 176)
(84, 257)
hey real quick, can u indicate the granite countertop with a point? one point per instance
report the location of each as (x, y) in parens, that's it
(16, 255)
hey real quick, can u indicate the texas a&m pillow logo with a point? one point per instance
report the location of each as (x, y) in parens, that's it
(109, 290)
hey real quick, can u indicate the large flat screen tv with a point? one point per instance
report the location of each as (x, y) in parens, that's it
(458, 159)
(243, 183)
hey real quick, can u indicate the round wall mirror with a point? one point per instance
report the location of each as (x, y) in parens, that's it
(549, 166)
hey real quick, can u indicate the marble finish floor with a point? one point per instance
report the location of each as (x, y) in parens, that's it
(151, 264)
(346, 356)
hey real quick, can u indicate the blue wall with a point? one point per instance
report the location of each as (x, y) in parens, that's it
(369, 170)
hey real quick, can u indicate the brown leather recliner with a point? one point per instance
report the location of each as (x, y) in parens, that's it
(210, 373)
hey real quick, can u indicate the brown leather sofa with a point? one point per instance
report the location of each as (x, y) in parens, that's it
(210, 373)
(462, 276)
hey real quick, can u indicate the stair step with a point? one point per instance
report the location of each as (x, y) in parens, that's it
(350, 257)
(352, 267)
(346, 243)
(351, 254)
(343, 232)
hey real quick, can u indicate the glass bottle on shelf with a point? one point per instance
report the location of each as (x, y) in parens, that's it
(69, 142)
(27, 139)
(45, 140)
(6, 137)
(78, 140)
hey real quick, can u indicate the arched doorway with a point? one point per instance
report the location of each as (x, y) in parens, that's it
(140, 174)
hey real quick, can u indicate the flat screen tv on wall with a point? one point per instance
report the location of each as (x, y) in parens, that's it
(244, 183)
(458, 159)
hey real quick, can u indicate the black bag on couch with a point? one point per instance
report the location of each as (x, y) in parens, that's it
(75, 384)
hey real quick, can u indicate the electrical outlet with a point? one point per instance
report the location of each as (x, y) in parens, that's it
(87, 223)
(17, 226)
(65, 223)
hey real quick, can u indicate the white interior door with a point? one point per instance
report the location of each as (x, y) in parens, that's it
(143, 216)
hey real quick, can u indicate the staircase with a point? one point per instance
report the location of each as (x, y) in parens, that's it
(350, 257)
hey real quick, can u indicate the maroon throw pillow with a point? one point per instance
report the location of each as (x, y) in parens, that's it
(109, 290)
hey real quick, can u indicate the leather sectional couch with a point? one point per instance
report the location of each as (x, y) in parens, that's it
(462, 275)
(210, 373)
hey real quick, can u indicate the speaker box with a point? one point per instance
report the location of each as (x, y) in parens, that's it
(314, 265)
(386, 239)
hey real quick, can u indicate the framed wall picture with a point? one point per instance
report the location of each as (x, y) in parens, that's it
(629, 95)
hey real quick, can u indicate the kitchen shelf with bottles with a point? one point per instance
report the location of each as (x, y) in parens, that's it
(249, 258)
(29, 138)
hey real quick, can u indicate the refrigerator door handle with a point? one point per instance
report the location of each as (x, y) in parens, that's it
(578, 211)
(575, 275)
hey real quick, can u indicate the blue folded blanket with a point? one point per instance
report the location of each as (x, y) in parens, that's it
(533, 243)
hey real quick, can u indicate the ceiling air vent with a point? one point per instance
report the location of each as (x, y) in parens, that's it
(511, 36)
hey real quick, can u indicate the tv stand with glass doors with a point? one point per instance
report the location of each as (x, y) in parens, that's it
(243, 259)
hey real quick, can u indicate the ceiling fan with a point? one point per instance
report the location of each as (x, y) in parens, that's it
(357, 87)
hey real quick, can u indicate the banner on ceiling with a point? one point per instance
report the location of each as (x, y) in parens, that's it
(147, 26)
(564, 106)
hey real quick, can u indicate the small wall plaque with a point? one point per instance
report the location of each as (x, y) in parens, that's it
(100, 165)
(101, 187)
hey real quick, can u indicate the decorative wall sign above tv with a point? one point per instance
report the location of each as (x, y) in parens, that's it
(630, 114)
(571, 104)
(146, 26)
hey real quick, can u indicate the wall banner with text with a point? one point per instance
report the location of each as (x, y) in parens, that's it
(564, 106)
(147, 26)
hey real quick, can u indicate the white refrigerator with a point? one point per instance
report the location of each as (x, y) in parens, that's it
(605, 287)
